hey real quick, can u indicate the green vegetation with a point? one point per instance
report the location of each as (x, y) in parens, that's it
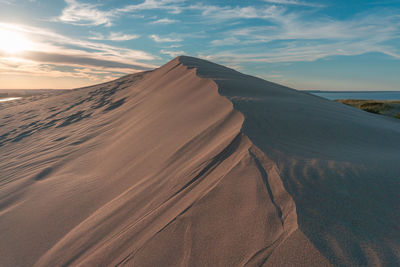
(389, 108)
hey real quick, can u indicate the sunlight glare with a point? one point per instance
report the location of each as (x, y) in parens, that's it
(12, 42)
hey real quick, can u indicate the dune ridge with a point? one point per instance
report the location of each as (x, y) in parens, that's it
(340, 165)
(195, 164)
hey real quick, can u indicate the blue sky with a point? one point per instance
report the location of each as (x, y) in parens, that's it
(316, 45)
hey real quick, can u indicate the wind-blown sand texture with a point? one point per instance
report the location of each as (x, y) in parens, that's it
(195, 164)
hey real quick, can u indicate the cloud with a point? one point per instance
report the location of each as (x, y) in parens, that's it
(248, 12)
(114, 36)
(225, 41)
(33, 68)
(280, 31)
(46, 40)
(85, 14)
(172, 53)
(294, 2)
(52, 54)
(171, 5)
(299, 52)
(89, 14)
(164, 21)
(79, 60)
(159, 39)
(293, 37)
(7, 2)
(174, 46)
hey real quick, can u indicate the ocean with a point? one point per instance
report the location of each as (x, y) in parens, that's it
(9, 99)
(364, 95)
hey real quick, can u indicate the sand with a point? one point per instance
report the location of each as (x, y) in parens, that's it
(195, 164)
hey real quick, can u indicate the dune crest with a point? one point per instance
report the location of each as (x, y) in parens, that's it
(195, 164)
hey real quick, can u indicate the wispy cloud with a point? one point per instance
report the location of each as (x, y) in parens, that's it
(225, 42)
(173, 6)
(79, 60)
(172, 53)
(174, 46)
(164, 21)
(298, 38)
(47, 40)
(294, 2)
(290, 53)
(241, 33)
(228, 12)
(7, 2)
(84, 14)
(79, 13)
(33, 68)
(49, 51)
(159, 39)
(114, 36)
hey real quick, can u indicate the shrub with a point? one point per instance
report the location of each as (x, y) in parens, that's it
(374, 107)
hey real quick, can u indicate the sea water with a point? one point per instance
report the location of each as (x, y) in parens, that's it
(9, 99)
(364, 95)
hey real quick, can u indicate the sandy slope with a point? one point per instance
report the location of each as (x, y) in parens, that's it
(194, 164)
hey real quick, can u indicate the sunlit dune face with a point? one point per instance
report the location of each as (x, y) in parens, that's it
(13, 42)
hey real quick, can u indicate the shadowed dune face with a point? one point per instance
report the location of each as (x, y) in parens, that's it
(340, 165)
(194, 164)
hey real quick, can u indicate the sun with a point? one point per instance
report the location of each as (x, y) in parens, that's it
(12, 42)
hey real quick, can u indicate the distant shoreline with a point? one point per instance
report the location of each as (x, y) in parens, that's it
(326, 91)
(9, 99)
(359, 95)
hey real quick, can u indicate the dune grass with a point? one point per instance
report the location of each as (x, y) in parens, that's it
(389, 108)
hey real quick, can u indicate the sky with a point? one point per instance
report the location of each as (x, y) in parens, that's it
(304, 44)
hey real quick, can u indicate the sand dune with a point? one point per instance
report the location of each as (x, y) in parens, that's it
(195, 164)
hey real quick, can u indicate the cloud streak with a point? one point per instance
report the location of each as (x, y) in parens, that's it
(159, 39)
(85, 14)
(78, 60)
(218, 13)
(241, 34)
(172, 53)
(114, 36)
(52, 54)
(296, 38)
(285, 26)
(164, 21)
(294, 2)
